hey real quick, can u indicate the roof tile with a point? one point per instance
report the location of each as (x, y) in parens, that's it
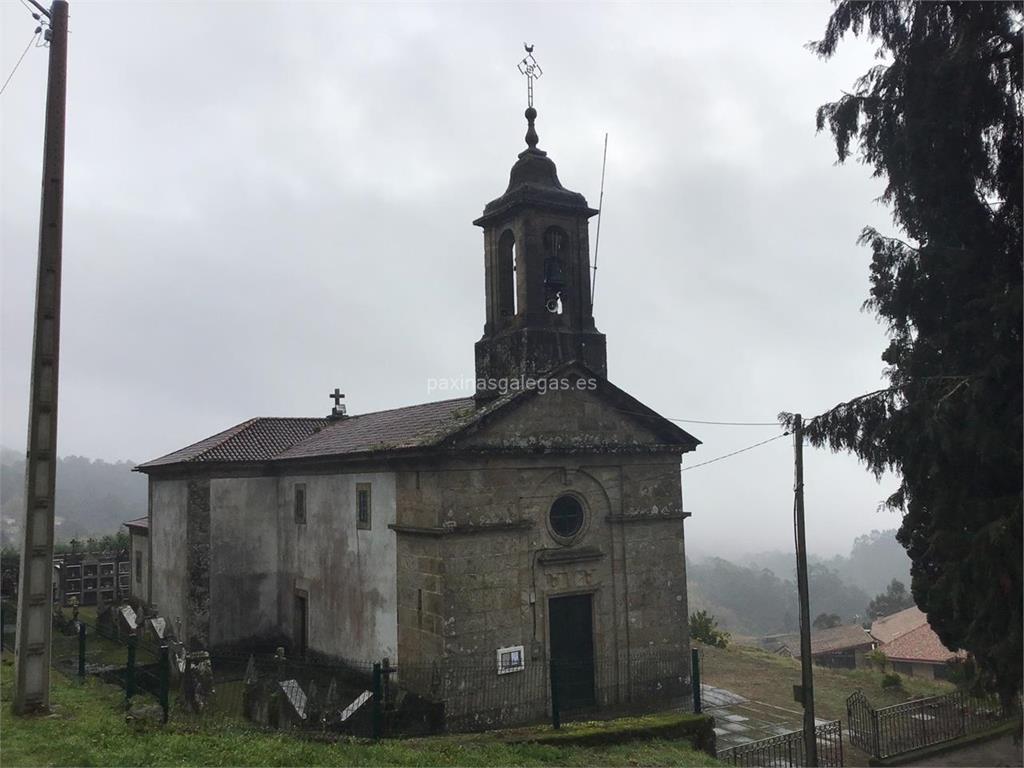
(888, 628)
(841, 638)
(920, 644)
(252, 440)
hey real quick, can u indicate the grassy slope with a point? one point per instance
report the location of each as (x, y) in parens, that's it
(88, 727)
(770, 678)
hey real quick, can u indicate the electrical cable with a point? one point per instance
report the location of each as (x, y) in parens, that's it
(18, 64)
(734, 453)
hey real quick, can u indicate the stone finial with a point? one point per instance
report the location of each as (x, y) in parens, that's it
(531, 132)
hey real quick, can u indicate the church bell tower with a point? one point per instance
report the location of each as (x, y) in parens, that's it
(537, 275)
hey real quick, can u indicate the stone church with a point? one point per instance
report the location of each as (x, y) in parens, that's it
(537, 522)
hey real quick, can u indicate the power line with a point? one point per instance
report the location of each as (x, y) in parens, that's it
(714, 423)
(18, 64)
(727, 423)
(734, 453)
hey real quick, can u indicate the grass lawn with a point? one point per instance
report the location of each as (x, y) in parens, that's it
(87, 727)
(770, 678)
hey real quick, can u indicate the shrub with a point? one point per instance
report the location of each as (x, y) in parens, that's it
(704, 627)
(892, 681)
(877, 660)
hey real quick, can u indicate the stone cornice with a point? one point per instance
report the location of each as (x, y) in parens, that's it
(462, 530)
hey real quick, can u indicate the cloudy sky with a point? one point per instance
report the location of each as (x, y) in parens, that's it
(267, 200)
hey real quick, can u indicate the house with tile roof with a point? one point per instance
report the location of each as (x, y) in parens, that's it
(844, 646)
(911, 645)
(535, 524)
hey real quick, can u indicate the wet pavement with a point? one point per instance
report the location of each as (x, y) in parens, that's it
(739, 720)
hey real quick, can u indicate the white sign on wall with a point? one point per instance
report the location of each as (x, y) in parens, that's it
(511, 659)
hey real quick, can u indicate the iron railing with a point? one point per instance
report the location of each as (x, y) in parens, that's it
(919, 723)
(788, 749)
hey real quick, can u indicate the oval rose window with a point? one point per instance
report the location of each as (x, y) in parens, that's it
(566, 516)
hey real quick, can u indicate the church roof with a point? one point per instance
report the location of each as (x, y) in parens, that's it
(264, 439)
(253, 440)
(411, 427)
(398, 429)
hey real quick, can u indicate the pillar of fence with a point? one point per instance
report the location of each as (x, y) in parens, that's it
(695, 679)
(165, 680)
(81, 650)
(875, 740)
(378, 695)
(129, 670)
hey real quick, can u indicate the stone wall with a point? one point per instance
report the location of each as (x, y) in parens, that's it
(483, 522)
(197, 565)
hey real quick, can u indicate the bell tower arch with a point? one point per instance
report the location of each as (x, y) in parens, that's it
(537, 275)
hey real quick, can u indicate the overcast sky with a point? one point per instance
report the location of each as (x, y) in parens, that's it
(267, 200)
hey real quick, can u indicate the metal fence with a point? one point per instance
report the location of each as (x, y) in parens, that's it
(471, 697)
(85, 645)
(349, 697)
(919, 723)
(788, 749)
(378, 699)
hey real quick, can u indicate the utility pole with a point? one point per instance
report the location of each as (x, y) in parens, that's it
(35, 590)
(807, 675)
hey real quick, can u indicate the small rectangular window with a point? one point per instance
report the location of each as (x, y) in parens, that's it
(138, 565)
(300, 503)
(364, 509)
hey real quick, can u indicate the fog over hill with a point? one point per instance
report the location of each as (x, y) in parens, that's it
(94, 497)
(757, 594)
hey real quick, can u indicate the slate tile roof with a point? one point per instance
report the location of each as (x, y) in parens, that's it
(842, 638)
(920, 644)
(252, 440)
(410, 427)
(141, 522)
(416, 426)
(266, 439)
(888, 628)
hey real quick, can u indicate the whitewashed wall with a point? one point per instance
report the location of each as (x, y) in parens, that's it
(350, 574)
(168, 556)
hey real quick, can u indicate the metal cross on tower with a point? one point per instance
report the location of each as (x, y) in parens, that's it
(529, 67)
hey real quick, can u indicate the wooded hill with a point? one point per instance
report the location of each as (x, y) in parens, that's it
(94, 497)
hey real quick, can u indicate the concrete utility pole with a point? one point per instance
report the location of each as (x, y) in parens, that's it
(32, 649)
(807, 675)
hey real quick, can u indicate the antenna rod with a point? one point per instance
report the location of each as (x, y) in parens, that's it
(600, 212)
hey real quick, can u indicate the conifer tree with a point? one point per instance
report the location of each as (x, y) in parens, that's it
(939, 118)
